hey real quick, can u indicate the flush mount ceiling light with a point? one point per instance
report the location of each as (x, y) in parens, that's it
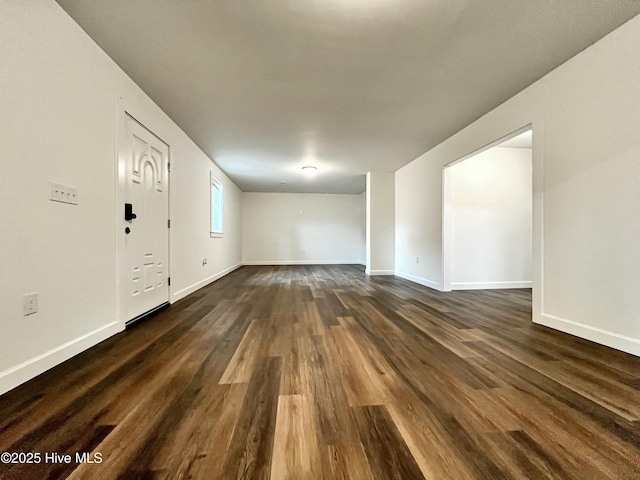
(309, 169)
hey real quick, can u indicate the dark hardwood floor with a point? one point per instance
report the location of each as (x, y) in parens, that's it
(323, 373)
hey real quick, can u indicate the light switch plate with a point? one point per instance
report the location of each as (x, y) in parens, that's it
(63, 194)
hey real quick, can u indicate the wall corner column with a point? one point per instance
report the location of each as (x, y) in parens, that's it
(380, 223)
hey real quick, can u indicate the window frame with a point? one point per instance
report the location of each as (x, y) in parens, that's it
(216, 185)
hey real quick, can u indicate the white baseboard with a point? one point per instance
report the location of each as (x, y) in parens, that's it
(203, 283)
(379, 272)
(610, 339)
(21, 373)
(419, 280)
(490, 285)
(301, 262)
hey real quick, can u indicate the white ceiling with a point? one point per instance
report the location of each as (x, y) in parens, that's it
(267, 86)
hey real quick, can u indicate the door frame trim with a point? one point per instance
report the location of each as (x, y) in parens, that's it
(124, 111)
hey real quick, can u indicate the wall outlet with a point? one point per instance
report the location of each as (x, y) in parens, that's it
(30, 303)
(417, 259)
(63, 194)
(204, 262)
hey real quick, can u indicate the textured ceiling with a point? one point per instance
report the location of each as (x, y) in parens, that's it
(267, 86)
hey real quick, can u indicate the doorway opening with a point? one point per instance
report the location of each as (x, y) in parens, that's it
(488, 216)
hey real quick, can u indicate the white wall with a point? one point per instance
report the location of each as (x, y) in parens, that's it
(59, 97)
(297, 228)
(491, 208)
(586, 181)
(190, 225)
(380, 218)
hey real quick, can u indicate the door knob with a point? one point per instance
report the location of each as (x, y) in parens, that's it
(128, 212)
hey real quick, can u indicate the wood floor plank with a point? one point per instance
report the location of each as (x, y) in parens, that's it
(311, 318)
(362, 383)
(207, 441)
(523, 459)
(615, 396)
(345, 462)
(445, 338)
(296, 367)
(321, 372)
(242, 364)
(386, 451)
(333, 415)
(296, 451)
(251, 447)
(434, 450)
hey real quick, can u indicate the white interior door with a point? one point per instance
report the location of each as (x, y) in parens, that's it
(144, 168)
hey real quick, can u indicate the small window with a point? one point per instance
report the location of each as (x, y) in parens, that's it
(217, 207)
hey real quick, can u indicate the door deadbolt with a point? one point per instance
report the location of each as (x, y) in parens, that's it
(128, 212)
